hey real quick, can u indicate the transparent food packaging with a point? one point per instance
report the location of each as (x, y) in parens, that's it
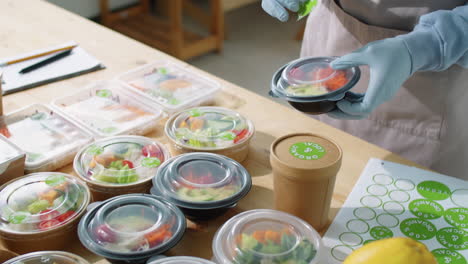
(11, 161)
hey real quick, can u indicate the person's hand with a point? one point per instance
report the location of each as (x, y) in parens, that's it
(390, 66)
(277, 8)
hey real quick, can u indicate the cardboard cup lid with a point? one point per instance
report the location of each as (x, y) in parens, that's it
(305, 151)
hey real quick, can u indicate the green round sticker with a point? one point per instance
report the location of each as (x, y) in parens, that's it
(426, 209)
(307, 151)
(433, 190)
(457, 217)
(447, 256)
(150, 162)
(418, 229)
(453, 238)
(104, 93)
(381, 232)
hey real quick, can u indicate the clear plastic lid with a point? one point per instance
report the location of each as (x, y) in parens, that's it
(41, 201)
(179, 260)
(133, 224)
(202, 180)
(43, 134)
(120, 160)
(266, 236)
(314, 77)
(8, 152)
(106, 110)
(209, 128)
(48, 257)
(170, 85)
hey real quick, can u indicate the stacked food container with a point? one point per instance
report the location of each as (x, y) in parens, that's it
(11, 161)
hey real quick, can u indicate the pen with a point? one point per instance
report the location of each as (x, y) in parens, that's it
(36, 55)
(46, 61)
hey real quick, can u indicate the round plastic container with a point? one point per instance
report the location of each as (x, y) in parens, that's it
(41, 211)
(120, 165)
(131, 228)
(266, 236)
(178, 260)
(210, 129)
(48, 257)
(311, 85)
(202, 185)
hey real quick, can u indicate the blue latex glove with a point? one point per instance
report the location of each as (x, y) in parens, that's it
(390, 66)
(277, 8)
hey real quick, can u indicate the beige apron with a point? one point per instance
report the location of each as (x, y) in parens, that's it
(426, 122)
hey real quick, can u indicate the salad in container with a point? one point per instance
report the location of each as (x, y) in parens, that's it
(41, 211)
(106, 110)
(312, 86)
(210, 129)
(48, 257)
(49, 139)
(131, 228)
(266, 236)
(170, 85)
(202, 185)
(11, 161)
(120, 165)
(177, 260)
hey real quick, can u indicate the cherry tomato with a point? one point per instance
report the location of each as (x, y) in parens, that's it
(48, 214)
(152, 151)
(64, 217)
(47, 224)
(128, 163)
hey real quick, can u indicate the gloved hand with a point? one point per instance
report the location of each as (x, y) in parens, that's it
(277, 8)
(390, 65)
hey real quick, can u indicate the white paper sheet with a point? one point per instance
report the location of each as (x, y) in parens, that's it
(79, 61)
(392, 200)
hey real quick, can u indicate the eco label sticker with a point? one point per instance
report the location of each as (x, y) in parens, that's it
(447, 256)
(433, 190)
(426, 209)
(418, 229)
(405, 184)
(383, 179)
(340, 252)
(364, 213)
(104, 93)
(149, 162)
(387, 220)
(453, 238)
(460, 197)
(377, 189)
(393, 208)
(307, 151)
(380, 232)
(357, 226)
(351, 239)
(457, 217)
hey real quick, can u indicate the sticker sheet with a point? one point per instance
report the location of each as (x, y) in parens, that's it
(393, 200)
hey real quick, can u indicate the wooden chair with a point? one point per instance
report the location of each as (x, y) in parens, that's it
(169, 35)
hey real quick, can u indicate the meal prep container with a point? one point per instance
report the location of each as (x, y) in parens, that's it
(48, 257)
(41, 211)
(106, 109)
(177, 260)
(49, 139)
(131, 228)
(203, 185)
(120, 165)
(210, 129)
(310, 84)
(266, 236)
(170, 85)
(11, 161)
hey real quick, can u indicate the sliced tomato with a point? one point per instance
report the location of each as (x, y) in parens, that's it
(47, 224)
(128, 163)
(64, 217)
(48, 214)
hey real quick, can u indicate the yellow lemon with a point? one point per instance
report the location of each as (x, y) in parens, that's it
(398, 250)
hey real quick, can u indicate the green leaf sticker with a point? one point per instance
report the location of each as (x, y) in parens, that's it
(426, 209)
(162, 70)
(418, 229)
(433, 190)
(109, 130)
(447, 256)
(195, 112)
(105, 93)
(174, 101)
(307, 151)
(31, 157)
(95, 150)
(457, 217)
(54, 180)
(227, 136)
(453, 238)
(381, 232)
(38, 116)
(305, 8)
(17, 217)
(150, 162)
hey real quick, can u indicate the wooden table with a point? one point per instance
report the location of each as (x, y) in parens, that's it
(30, 24)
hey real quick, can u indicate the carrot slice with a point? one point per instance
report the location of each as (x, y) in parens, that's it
(259, 236)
